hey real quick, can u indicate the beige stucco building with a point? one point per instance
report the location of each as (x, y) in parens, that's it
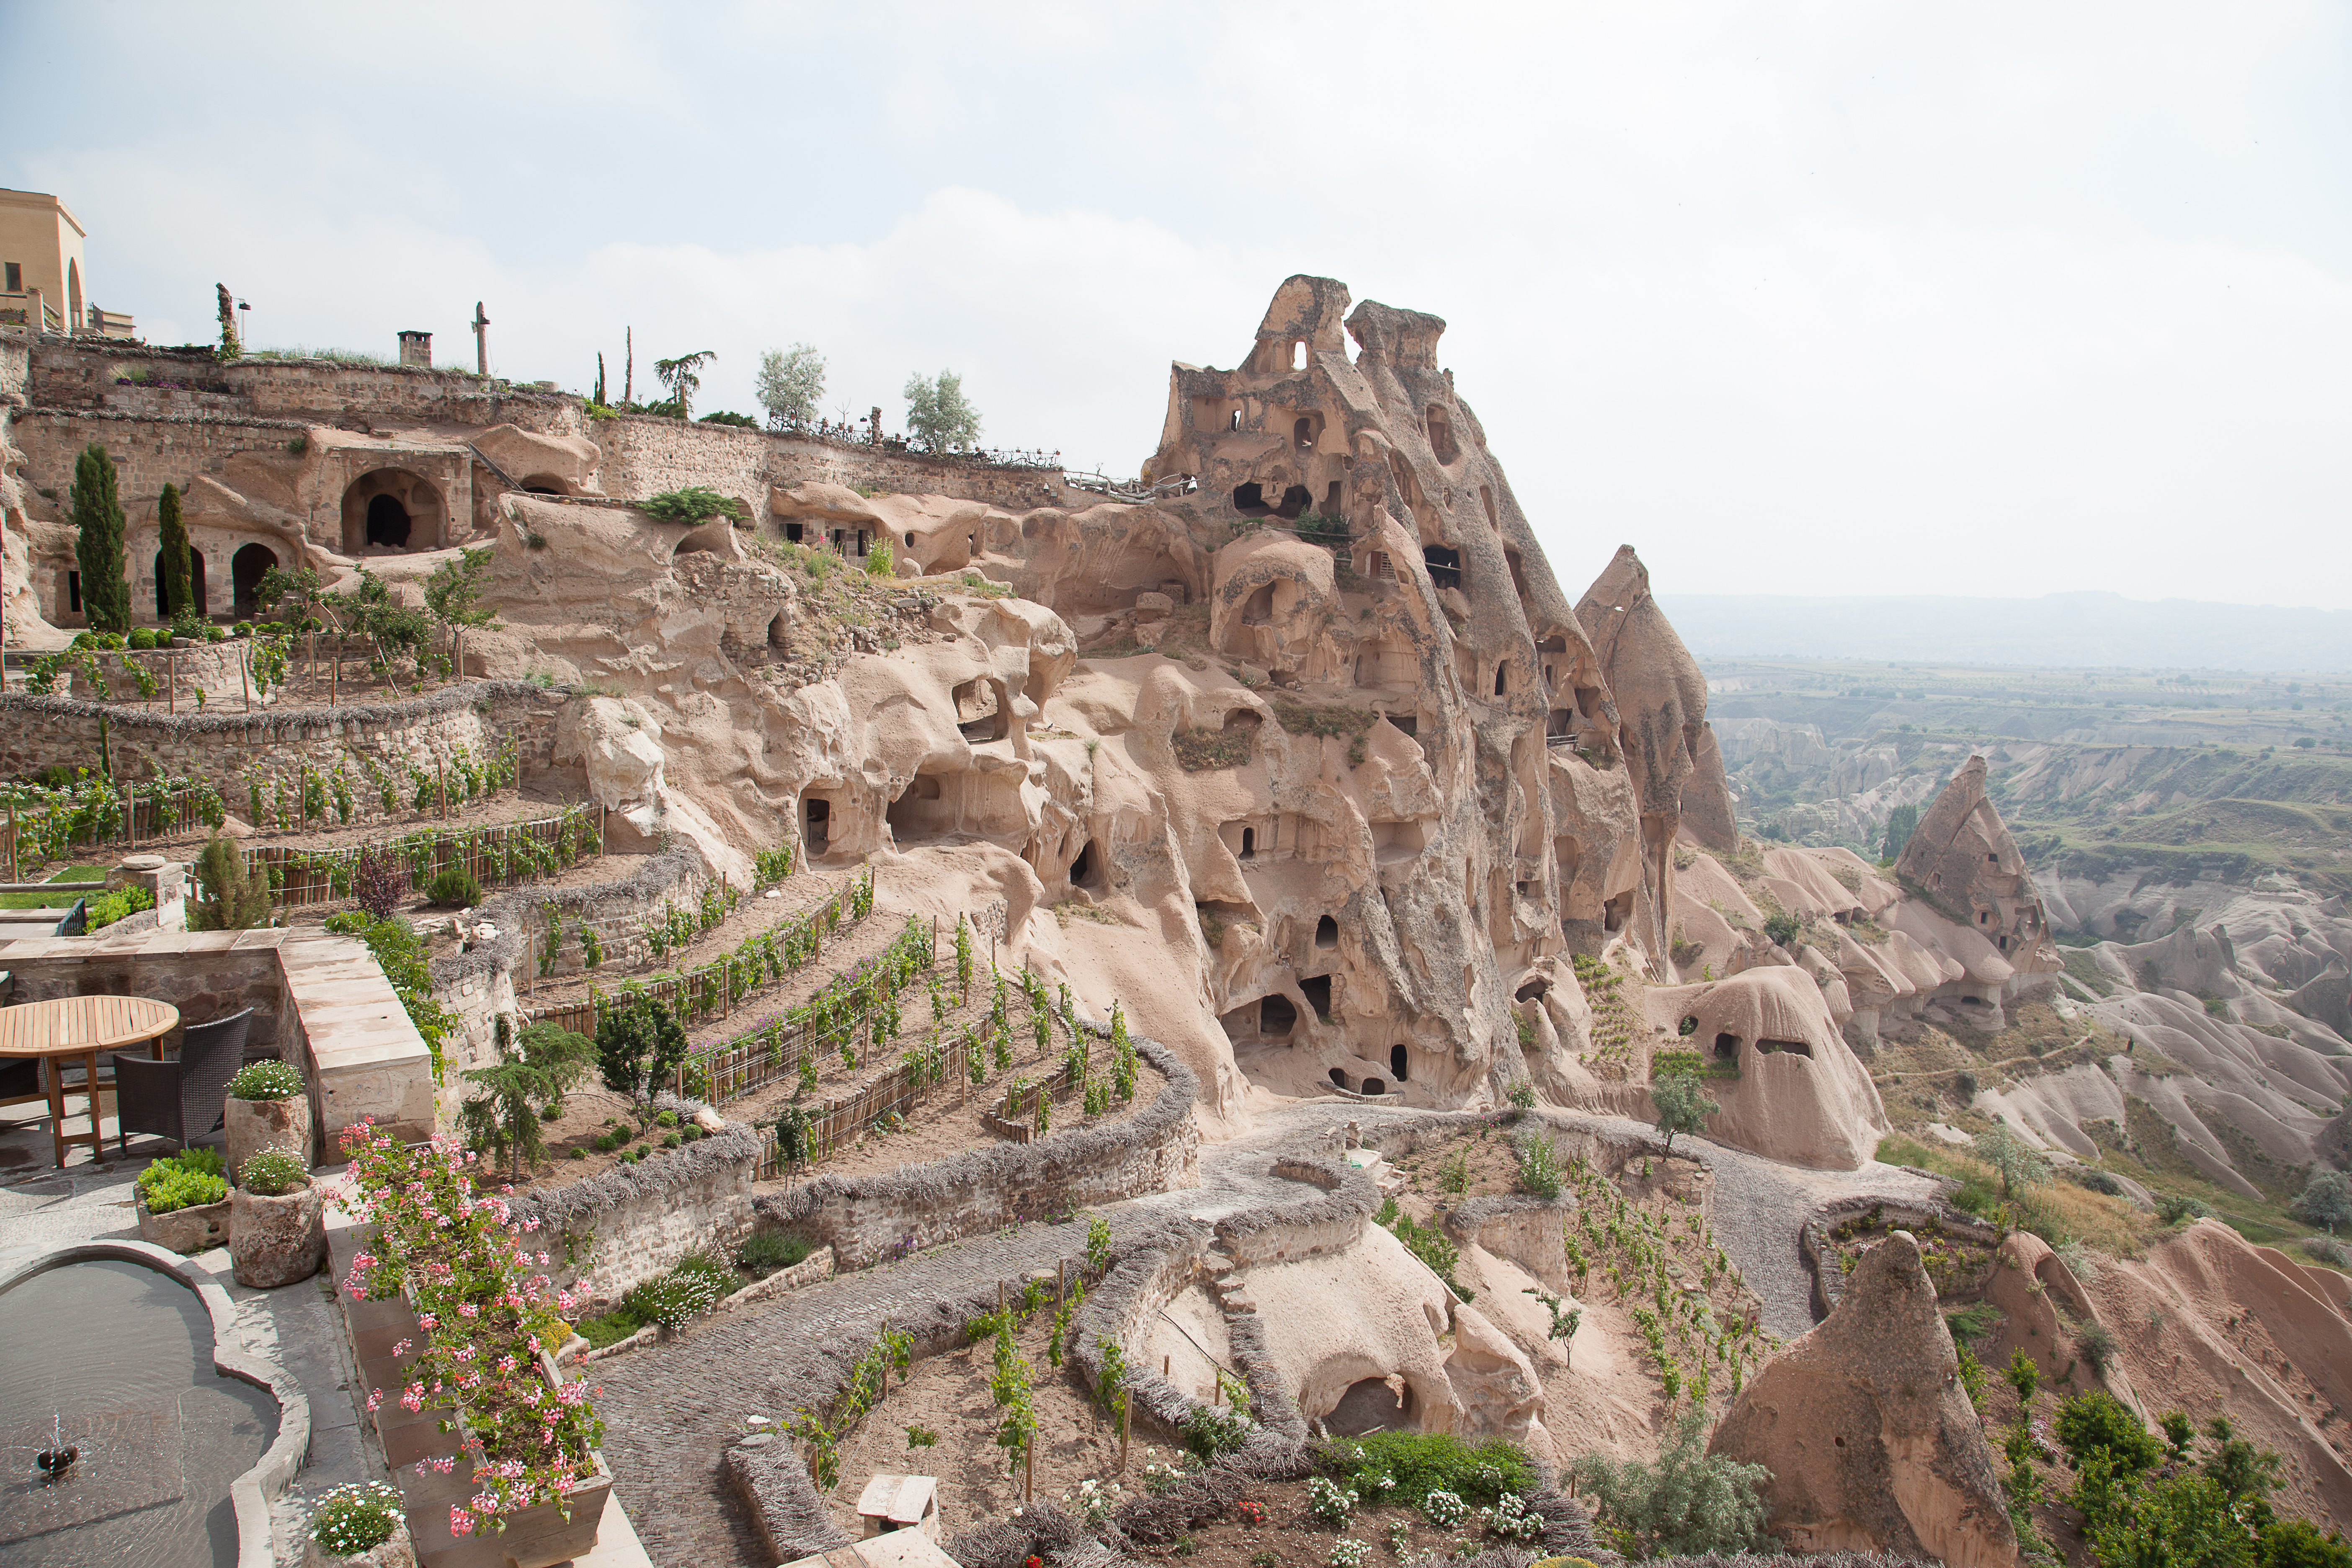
(43, 271)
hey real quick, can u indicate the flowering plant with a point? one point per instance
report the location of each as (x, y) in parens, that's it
(468, 1268)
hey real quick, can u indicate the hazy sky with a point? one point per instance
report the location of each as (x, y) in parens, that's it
(1976, 299)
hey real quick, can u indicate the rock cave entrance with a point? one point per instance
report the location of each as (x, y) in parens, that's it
(546, 485)
(1249, 499)
(1727, 1046)
(387, 522)
(793, 531)
(1617, 911)
(1276, 1016)
(1317, 991)
(1444, 565)
(1560, 724)
(1395, 842)
(1295, 500)
(1249, 843)
(1794, 1048)
(1327, 932)
(1369, 1407)
(1399, 1061)
(779, 634)
(1258, 609)
(919, 812)
(1087, 870)
(1340, 1077)
(1531, 989)
(816, 817)
(1373, 1086)
(1502, 679)
(983, 713)
(245, 570)
(196, 597)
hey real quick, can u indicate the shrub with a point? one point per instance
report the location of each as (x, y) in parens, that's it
(356, 1517)
(237, 896)
(671, 1299)
(1329, 1501)
(1973, 1321)
(691, 505)
(1407, 1467)
(273, 1172)
(1211, 1433)
(939, 416)
(107, 907)
(185, 1180)
(2172, 1208)
(1540, 1166)
(378, 881)
(272, 1079)
(2094, 1422)
(1683, 1105)
(768, 1251)
(2014, 1160)
(2096, 1345)
(1690, 1502)
(455, 886)
(141, 639)
(2327, 1201)
(1782, 928)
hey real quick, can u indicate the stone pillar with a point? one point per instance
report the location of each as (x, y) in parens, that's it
(166, 879)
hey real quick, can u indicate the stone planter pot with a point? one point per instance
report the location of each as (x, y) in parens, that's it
(188, 1230)
(258, 1124)
(274, 1241)
(398, 1552)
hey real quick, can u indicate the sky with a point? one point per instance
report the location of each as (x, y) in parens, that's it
(1998, 299)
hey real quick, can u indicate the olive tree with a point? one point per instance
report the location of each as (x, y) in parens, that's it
(939, 417)
(790, 382)
(1683, 1105)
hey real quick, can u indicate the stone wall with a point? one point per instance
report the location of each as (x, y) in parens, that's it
(37, 733)
(1828, 1284)
(148, 454)
(627, 1225)
(644, 456)
(214, 668)
(865, 1218)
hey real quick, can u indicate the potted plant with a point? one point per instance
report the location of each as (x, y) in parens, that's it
(268, 1108)
(184, 1202)
(361, 1522)
(278, 1224)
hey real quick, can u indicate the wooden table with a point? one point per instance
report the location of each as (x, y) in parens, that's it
(84, 1026)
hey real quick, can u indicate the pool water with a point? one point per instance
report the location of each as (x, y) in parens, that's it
(122, 1354)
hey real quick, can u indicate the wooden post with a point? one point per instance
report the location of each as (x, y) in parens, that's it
(1029, 1470)
(999, 1298)
(1125, 1424)
(441, 786)
(1061, 1280)
(1166, 1362)
(171, 676)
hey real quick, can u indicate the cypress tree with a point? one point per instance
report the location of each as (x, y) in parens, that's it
(174, 569)
(98, 547)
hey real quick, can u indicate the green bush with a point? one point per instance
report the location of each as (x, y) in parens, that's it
(2094, 1422)
(237, 896)
(273, 1172)
(1540, 1166)
(185, 1180)
(2172, 1208)
(140, 638)
(455, 886)
(272, 1079)
(1690, 1502)
(108, 907)
(638, 1044)
(356, 1517)
(768, 1251)
(1401, 1468)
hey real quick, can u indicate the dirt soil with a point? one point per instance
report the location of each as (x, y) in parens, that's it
(948, 1394)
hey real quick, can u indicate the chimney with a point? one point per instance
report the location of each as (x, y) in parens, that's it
(416, 349)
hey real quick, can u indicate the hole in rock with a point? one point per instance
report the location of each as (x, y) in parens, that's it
(1250, 499)
(1794, 1048)
(245, 570)
(1499, 678)
(1295, 500)
(1444, 566)
(1339, 1077)
(1327, 932)
(911, 541)
(1375, 1086)
(1318, 990)
(1727, 1046)
(1249, 842)
(1532, 989)
(1258, 608)
(1298, 355)
(387, 522)
(793, 531)
(1369, 1406)
(1560, 724)
(1397, 1061)
(1617, 911)
(819, 817)
(1088, 869)
(197, 599)
(1276, 1017)
(1441, 437)
(1302, 434)
(1331, 499)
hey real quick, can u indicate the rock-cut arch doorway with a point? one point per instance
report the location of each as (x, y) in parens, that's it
(247, 568)
(391, 508)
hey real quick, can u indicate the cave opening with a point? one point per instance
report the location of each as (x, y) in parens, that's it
(1397, 1062)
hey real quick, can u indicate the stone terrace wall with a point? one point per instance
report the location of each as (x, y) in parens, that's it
(148, 454)
(627, 1225)
(864, 1219)
(644, 454)
(36, 732)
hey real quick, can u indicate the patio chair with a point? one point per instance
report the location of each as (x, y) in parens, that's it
(177, 1099)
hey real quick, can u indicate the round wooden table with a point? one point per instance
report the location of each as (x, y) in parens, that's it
(85, 1027)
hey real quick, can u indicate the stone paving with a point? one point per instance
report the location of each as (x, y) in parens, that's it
(297, 1326)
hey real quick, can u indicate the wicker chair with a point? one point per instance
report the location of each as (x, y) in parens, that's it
(177, 1099)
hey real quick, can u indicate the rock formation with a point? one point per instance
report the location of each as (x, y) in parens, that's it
(1871, 1440)
(1964, 863)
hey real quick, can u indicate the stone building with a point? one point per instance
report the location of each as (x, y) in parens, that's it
(43, 271)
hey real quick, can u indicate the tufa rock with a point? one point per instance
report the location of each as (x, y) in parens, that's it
(1871, 1440)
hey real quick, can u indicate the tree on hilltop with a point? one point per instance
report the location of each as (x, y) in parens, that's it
(939, 418)
(682, 376)
(790, 380)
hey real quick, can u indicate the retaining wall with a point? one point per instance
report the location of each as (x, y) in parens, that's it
(36, 732)
(1828, 1284)
(624, 1226)
(867, 1218)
